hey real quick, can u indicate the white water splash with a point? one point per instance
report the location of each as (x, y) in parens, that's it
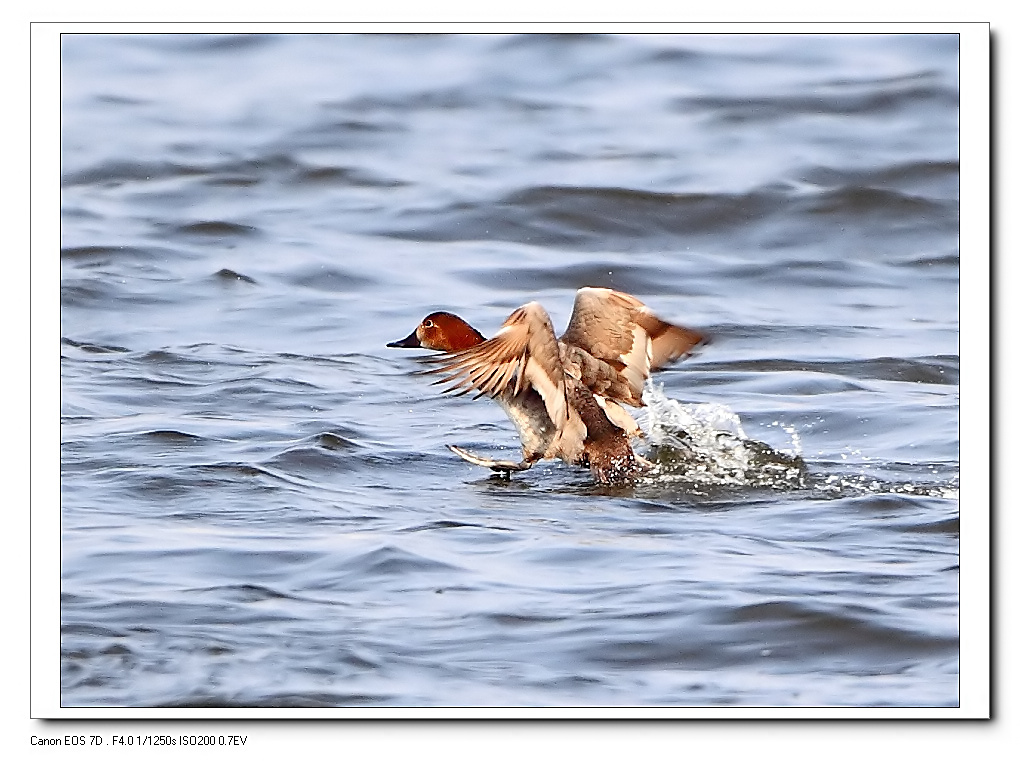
(670, 423)
(796, 448)
(705, 443)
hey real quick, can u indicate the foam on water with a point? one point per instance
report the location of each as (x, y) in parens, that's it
(704, 444)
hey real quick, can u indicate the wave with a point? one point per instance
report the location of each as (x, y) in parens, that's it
(845, 98)
(932, 369)
(614, 217)
(271, 167)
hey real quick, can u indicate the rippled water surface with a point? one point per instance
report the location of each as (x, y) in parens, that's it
(257, 505)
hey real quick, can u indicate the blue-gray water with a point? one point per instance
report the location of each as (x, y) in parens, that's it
(257, 504)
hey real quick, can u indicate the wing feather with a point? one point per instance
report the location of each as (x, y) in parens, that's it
(524, 352)
(619, 330)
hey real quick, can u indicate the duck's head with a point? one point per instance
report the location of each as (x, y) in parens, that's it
(441, 331)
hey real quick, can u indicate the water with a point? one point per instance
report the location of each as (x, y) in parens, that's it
(257, 505)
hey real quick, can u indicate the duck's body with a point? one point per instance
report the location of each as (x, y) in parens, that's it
(563, 395)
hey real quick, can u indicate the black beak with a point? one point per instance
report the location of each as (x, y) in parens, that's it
(411, 340)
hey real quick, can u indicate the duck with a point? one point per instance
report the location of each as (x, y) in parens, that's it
(564, 395)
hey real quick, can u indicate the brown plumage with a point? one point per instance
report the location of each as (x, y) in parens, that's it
(562, 395)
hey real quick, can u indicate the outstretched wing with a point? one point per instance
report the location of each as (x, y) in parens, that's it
(523, 352)
(621, 331)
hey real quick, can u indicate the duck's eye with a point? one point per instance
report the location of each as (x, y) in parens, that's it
(427, 324)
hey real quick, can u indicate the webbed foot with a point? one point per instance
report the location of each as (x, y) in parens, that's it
(497, 466)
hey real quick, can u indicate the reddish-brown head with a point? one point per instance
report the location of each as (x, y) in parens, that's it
(441, 331)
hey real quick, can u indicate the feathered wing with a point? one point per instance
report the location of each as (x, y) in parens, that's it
(523, 353)
(669, 341)
(621, 332)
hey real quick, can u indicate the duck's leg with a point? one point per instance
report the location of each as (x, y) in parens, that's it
(497, 466)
